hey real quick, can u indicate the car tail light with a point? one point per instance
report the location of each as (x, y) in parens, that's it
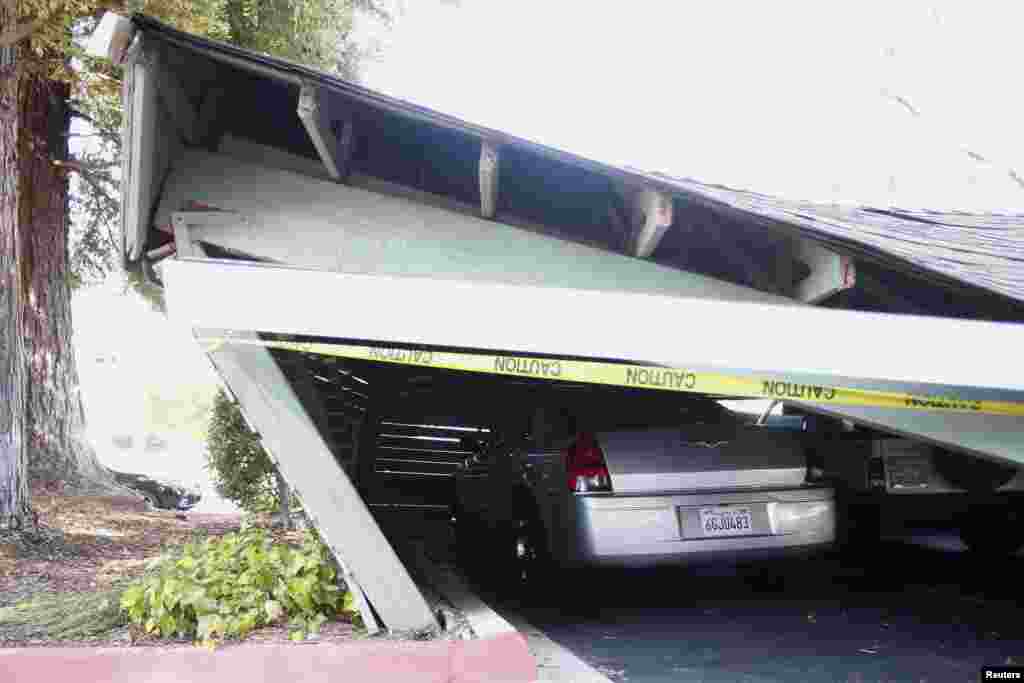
(585, 465)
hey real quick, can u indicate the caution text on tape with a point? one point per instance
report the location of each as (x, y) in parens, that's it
(638, 376)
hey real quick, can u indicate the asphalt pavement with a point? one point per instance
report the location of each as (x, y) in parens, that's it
(916, 609)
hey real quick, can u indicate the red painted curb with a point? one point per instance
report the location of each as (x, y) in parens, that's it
(502, 659)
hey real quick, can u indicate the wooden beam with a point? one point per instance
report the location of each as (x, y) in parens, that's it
(652, 217)
(160, 252)
(368, 561)
(188, 229)
(271, 157)
(332, 135)
(111, 38)
(406, 236)
(490, 158)
(183, 243)
(830, 273)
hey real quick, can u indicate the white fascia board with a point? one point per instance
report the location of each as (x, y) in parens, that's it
(140, 140)
(872, 350)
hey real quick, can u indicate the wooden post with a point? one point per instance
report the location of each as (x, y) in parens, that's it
(331, 501)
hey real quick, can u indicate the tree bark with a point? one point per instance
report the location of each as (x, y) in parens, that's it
(58, 449)
(41, 416)
(14, 493)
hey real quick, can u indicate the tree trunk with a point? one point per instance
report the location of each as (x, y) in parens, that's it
(284, 495)
(14, 493)
(41, 416)
(58, 449)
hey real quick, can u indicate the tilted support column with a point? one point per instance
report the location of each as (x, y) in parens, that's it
(327, 494)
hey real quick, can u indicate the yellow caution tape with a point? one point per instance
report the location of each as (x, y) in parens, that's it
(639, 376)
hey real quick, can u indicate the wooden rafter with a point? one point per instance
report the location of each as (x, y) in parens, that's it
(490, 159)
(332, 133)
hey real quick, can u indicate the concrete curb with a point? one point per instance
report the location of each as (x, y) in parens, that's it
(484, 621)
(501, 659)
(553, 663)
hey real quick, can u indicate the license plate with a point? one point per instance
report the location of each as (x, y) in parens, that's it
(726, 521)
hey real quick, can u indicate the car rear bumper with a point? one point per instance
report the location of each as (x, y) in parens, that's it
(636, 530)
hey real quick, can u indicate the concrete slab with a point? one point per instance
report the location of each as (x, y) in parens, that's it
(555, 664)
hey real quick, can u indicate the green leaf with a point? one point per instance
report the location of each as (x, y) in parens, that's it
(168, 625)
(297, 636)
(229, 586)
(299, 591)
(132, 596)
(315, 622)
(297, 564)
(274, 610)
(193, 596)
(348, 604)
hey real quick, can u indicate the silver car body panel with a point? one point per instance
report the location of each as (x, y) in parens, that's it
(661, 479)
(644, 530)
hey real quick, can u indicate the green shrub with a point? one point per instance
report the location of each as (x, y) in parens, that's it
(239, 466)
(225, 588)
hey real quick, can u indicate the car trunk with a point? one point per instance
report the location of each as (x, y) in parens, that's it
(702, 457)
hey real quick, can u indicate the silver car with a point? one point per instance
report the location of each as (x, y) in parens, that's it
(638, 486)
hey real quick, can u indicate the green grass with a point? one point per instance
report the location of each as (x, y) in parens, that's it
(65, 616)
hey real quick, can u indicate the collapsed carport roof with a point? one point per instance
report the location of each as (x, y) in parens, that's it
(288, 186)
(976, 256)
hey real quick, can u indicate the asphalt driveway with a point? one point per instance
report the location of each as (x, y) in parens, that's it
(914, 610)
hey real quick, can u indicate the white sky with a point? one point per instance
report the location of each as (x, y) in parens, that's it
(783, 97)
(779, 97)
